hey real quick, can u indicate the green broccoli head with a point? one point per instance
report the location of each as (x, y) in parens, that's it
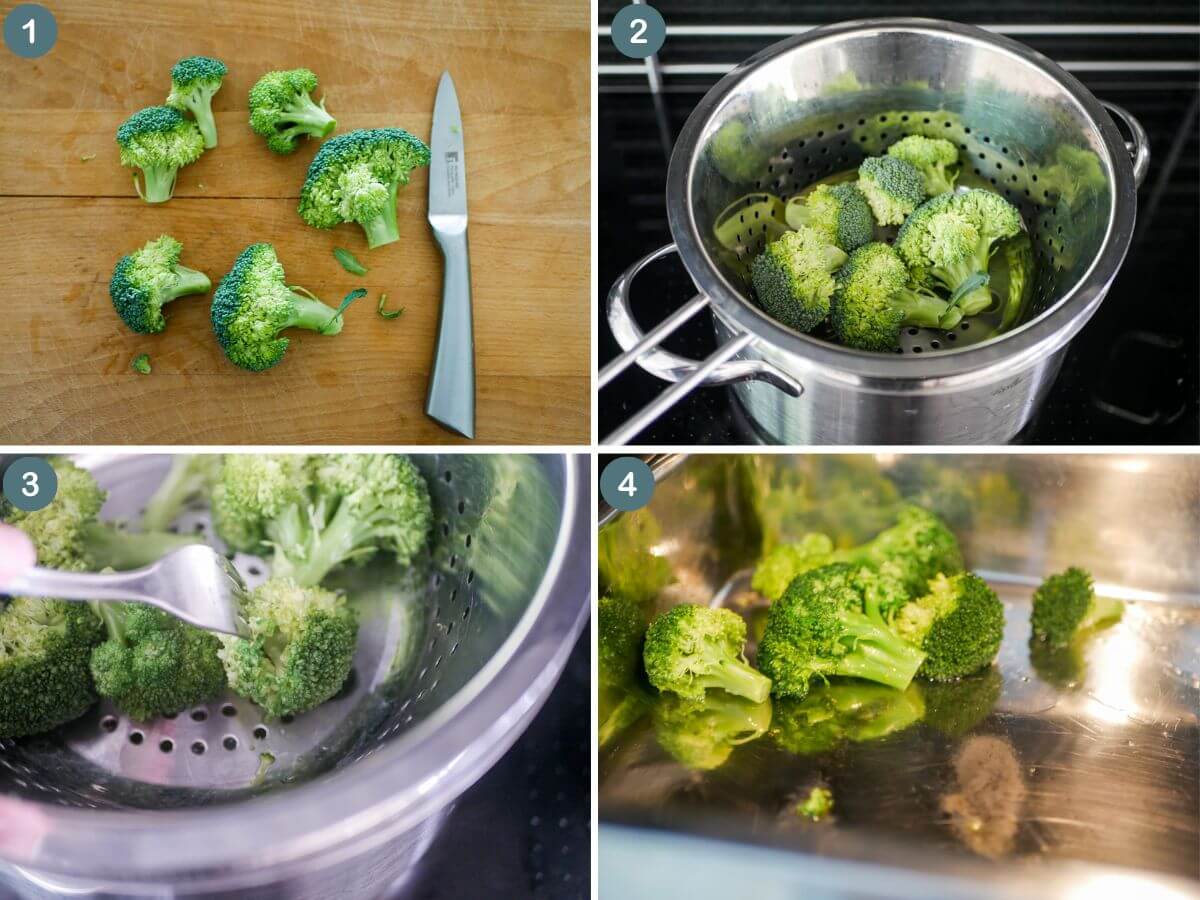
(1065, 607)
(935, 158)
(844, 711)
(690, 649)
(299, 650)
(702, 733)
(958, 624)
(793, 278)
(620, 629)
(194, 80)
(818, 629)
(919, 545)
(282, 110)
(776, 570)
(152, 663)
(159, 141)
(58, 530)
(892, 186)
(252, 490)
(354, 178)
(147, 279)
(44, 650)
(839, 212)
(873, 301)
(949, 241)
(253, 304)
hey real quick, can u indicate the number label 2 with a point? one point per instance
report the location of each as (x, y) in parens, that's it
(638, 27)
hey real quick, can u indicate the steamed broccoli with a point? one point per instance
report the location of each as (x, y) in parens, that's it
(702, 733)
(935, 158)
(919, 546)
(44, 650)
(832, 714)
(192, 475)
(1065, 607)
(793, 278)
(958, 624)
(839, 212)
(1018, 253)
(818, 629)
(690, 649)
(194, 80)
(776, 570)
(873, 301)
(159, 141)
(1076, 176)
(152, 663)
(620, 629)
(893, 188)
(299, 651)
(147, 279)
(354, 178)
(281, 109)
(949, 241)
(253, 304)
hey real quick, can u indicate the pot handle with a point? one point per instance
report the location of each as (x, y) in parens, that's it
(1139, 146)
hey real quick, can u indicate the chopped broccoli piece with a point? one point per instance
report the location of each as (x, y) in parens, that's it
(147, 279)
(776, 570)
(935, 158)
(690, 649)
(949, 241)
(817, 805)
(141, 364)
(958, 624)
(354, 178)
(1065, 607)
(892, 186)
(919, 544)
(253, 304)
(873, 301)
(252, 490)
(1018, 253)
(299, 651)
(282, 110)
(702, 733)
(818, 629)
(191, 476)
(159, 141)
(621, 628)
(194, 80)
(839, 212)
(841, 711)
(793, 278)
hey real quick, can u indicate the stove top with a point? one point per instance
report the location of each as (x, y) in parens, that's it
(1131, 377)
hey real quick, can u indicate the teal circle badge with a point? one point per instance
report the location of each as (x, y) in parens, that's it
(30, 30)
(627, 484)
(30, 483)
(638, 31)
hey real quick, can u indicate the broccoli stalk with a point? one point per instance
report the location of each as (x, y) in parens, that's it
(194, 80)
(190, 476)
(103, 546)
(690, 649)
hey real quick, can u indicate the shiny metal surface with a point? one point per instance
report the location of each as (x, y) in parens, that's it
(815, 105)
(451, 399)
(454, 659)
(1076, 772)
(195, 584)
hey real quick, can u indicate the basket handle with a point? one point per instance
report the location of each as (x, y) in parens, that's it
(686, 374)
(1139, 146)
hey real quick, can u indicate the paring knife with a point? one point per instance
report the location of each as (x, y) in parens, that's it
(451, 399)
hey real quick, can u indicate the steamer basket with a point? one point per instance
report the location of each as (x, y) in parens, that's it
(814, 105)
(453, 662)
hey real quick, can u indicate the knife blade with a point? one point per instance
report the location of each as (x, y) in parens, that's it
(451, 398)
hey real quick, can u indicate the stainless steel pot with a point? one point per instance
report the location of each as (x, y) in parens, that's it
(451, 667)
(816, 104)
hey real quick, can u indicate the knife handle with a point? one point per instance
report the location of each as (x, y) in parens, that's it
(451, 399)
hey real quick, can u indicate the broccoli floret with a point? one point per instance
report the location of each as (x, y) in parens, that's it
(253, 304)
(839, 212)
(873, 301)
(282, 110)
(147, 279)
(690, 649)
(841, 711)
(44, 650)
(194, 80)
(776, 570)
(627, 562)
(818, 629)
(299, 651)
(354, 178)
(817, 805)
(1065, 607)
(958, 624)
(919, 546)
(956, 707)
(935, 158)
(191, 476)
(893, 188)
(884, 588)
(1018, 253)
(141, 364)
(701, 734)
(620, 628)
(252, 490)
(1076, 175)
(949, 241)
(159, 141)
(793, 278)
(152, 663)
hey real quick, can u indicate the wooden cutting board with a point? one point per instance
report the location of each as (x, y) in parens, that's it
(522, 74)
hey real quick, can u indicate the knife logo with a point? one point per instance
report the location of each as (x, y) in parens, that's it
(451, 172)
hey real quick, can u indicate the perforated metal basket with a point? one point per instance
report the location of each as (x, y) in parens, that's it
(817, 104)
(454, 660)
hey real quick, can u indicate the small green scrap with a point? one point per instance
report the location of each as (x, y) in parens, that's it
(388, 313)
(141, 363)
(87, 157)
(818, 805)
(349, 262)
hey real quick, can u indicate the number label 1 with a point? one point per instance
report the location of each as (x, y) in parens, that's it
(31, 27)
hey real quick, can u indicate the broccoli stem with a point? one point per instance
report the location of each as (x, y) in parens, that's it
(924, 310)
(384, 229)
(159, 183)
(309, 118)
(108, 547)
(187, 282)
(954, 276)
(625, 714)
(314, 315)
(878, 654)
(1101, 610)
(736, 677)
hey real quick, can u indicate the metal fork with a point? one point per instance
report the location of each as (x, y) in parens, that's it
(195, 584)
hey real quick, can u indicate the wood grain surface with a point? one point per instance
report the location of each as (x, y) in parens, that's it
(521, 71)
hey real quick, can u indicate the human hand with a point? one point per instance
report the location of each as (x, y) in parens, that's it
(16, 553)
